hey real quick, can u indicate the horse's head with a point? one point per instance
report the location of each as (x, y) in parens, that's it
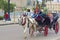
(24, 19)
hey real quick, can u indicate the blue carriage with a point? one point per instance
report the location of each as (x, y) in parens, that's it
(44, 21)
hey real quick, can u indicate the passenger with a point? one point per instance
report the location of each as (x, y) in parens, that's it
(50, 15)
(29, 13)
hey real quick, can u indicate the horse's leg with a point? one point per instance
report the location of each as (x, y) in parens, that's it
(25, 28)
(35, 30)
(32, 27)
(25, 34)
(31, 30)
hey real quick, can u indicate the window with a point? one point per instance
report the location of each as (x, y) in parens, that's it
(28, 2)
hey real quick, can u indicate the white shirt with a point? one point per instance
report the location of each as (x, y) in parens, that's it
(29, 13)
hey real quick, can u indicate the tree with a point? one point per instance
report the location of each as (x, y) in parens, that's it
(43, 4)
(4, 6)
(1, 4)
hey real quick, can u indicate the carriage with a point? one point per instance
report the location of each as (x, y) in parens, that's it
(40, 24)
(45, 24)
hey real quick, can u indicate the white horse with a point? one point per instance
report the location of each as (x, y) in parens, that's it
(26, 21)
(24, 24)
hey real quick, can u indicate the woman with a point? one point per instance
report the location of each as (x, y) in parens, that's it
(6, 16)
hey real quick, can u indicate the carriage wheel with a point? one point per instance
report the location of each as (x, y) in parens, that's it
(46, 31)
(56, 27)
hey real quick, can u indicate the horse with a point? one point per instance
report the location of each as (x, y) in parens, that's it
(28, 22)
(24, 24)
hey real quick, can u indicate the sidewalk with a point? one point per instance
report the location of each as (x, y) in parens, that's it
(3, 22)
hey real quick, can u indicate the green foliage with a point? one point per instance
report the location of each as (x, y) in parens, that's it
(33, 9)
(4, 6)
(12, 7)
(42, 5)
(1, 3)
(25, 9)
(1, 17)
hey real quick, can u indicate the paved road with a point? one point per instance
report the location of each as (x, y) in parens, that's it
(15, 32)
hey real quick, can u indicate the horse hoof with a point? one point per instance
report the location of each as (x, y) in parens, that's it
(25, 37)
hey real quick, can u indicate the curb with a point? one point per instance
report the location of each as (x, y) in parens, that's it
(8, 24)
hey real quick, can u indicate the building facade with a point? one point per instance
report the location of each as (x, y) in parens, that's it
(19, 4)
(53, 6)
(23, 3)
